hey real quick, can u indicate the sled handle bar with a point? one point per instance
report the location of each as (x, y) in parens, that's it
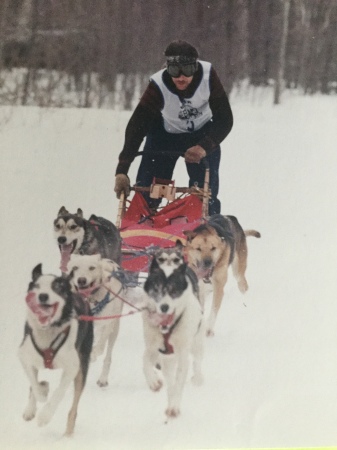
(204, 161)
(162, 152)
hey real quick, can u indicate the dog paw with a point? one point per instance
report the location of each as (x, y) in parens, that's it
(197, 379)
(44, 416)
(243, 286)
(29, 414)
(102, 383)
(172, 412)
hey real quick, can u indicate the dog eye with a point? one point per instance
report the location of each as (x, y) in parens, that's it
(92, 268)
(75, 268)
(72, 227)
(213, 249)
(176, 260)
(161, 260)
(57, 226)
(199, 249)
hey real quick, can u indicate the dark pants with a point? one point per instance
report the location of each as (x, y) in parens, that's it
(162, 166)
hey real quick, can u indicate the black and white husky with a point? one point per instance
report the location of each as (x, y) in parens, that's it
(173, 328)
(74, 234)
(54, 338)
(96, 279)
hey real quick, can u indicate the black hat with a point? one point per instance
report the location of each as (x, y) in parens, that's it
(181, 51)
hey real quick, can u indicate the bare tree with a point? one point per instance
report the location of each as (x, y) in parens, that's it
(282, 53)
(80, 52)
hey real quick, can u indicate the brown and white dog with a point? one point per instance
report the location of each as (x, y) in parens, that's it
(211, 249)
(54, 338)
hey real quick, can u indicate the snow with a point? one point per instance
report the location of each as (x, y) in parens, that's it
(271, 368)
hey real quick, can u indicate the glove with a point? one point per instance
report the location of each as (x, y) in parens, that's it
(122, 184)
(195, 154)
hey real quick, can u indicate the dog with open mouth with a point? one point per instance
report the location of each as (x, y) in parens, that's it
(77, 235)
(211, 248)
(98, 280)
(54, 338)
(173, 329)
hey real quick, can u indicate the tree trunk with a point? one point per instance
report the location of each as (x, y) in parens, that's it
(3, 23)
(282, 53)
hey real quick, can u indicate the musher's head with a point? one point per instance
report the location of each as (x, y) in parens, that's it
(181, 63)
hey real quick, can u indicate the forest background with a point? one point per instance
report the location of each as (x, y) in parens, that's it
(100, 53)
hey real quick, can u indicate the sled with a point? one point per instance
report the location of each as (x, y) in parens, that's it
(144, 230)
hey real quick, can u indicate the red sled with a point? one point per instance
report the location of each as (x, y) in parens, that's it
(144, 230)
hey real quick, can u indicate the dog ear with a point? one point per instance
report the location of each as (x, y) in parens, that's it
(37, 272)
(62, 211)
(108, 267)
(189, 234)
(79, 213)
(179, 244)
(154, 265)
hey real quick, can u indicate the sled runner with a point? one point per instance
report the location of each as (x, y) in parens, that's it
(143, 229)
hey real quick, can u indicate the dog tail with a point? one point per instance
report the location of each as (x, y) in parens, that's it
(253, 233)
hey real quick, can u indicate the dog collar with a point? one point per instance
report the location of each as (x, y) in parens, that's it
(49, 353)
(168, 348)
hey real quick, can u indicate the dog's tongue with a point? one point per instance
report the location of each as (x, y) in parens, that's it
(162, 320)
(87, 291)
(203, 273)
(43, 314)
(65, 256)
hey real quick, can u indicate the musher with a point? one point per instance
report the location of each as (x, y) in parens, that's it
(184, 109)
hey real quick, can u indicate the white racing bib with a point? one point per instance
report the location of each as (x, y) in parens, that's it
(185, 115)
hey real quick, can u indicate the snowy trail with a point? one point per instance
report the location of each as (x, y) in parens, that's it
(271, 369)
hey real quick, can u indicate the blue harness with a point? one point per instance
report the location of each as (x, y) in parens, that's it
(101, 305)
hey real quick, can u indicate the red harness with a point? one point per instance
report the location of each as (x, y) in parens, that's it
(168, 348)
(48, 354)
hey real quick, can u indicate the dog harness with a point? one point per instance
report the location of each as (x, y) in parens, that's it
(100, 305)
(49, 353)
(168, 348)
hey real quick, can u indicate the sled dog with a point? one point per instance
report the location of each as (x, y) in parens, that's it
(173, 328)
(96, 279)
(211, 248)
(55, 339)
(74, 234)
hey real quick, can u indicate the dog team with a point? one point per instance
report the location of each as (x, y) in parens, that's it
(73, 317)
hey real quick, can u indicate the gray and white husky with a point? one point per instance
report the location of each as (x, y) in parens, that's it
(96, 279)
(173, 328)
(54, 338)
(77, 235)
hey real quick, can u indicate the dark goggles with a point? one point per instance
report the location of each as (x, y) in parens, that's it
(175, 70)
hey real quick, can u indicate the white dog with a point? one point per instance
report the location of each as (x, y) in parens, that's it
(54, 339)
(173, 328)
(96, 279)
